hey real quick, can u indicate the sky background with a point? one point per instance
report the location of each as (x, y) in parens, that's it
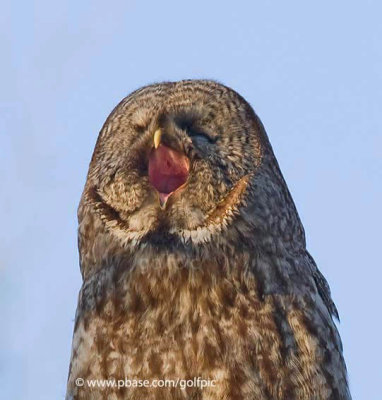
(312, 72)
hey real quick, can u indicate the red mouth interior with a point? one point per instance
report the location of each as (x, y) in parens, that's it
(168, 170)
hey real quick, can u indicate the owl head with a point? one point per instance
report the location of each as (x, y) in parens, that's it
(183, 162)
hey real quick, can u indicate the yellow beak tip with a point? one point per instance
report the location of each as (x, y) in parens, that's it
(157, 138)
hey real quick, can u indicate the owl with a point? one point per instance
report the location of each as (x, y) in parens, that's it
(197, 283)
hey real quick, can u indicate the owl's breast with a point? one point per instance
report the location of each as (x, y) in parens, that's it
(181, 323)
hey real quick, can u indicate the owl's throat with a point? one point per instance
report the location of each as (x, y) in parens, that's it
(168, 171)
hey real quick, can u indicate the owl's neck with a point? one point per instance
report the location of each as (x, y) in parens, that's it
(147, 279)
(144, 283)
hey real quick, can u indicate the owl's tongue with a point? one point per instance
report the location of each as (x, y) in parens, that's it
(168, 170)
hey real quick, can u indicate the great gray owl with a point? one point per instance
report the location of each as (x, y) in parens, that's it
(194, 261)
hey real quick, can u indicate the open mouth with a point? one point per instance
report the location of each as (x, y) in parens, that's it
(168, 171)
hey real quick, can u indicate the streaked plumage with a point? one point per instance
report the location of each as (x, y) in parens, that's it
(202, 272)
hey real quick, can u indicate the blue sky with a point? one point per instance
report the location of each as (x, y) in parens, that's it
(311, 71)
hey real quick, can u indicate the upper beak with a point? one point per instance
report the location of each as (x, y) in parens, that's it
(157, 138)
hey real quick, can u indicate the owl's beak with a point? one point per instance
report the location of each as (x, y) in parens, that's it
(168, 170)
(157, 138)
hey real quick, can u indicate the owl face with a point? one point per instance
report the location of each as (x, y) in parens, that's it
(174, 158)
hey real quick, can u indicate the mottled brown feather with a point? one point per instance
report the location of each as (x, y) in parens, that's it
(217, 285)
